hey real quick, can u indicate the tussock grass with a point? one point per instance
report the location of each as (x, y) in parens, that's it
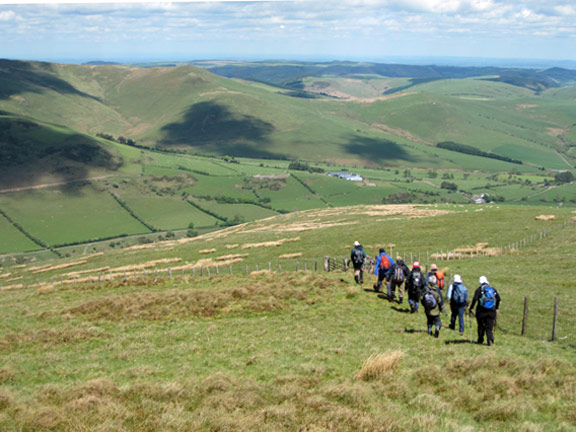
(255, 295)
(379, 366)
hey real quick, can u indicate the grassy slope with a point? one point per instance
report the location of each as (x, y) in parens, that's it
(284, 352)
(190, 107)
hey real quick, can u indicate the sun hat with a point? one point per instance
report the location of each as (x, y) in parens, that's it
(356, 243)
(457, 279)
(416, 264)
(433, 267)
(483, 280)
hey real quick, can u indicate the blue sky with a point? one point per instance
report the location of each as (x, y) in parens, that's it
(313, 30)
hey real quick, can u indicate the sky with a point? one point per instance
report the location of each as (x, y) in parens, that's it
(315, 30)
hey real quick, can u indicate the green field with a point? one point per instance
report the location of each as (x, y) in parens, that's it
(291, 351)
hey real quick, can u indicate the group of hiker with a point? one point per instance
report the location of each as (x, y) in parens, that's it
(426, 290)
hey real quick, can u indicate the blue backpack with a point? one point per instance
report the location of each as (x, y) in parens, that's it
(487, 297)
(459, 293)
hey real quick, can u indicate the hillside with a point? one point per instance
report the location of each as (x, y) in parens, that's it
(190, 109)
(239, 330)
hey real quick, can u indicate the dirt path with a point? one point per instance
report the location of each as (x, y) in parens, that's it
(47, 185)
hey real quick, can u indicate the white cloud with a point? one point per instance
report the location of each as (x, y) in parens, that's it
(8, 15)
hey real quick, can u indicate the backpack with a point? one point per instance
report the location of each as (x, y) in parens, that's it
(384, 263)
(398, 276)
(487, 297)
(440, 279)
(358, 257)
(417, 277)
(429, 301)
(459, 293)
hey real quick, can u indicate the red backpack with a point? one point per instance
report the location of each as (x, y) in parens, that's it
(384, 262)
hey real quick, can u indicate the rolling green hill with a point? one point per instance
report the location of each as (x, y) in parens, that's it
(240, 330)
(190, 109)
(124, 155)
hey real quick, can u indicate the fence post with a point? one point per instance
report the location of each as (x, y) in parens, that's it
(555, 318)
(525, 317)
(315, 266)
(326, 264)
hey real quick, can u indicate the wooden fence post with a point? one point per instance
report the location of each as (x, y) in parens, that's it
(326, 264)
(555, 318)
(525, 317)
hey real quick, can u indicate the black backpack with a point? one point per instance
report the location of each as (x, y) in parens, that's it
(358, 257)
(417, 278)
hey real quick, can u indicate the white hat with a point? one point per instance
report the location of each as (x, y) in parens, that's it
(457, 279)
(356, 243)
(483, 280)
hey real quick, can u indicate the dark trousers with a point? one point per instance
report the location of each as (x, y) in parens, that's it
(358, 273)
(485, 319)
(381, 277)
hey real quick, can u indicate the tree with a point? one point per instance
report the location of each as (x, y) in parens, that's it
(564, 177)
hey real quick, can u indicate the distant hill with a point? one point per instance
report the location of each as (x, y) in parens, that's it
(289, 74)
(361, 113)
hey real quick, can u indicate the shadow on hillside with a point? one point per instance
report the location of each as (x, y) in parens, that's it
(33, 154)
(376, 150)
(407, 330)
(401, 310)
(18, 77)
(212, 127)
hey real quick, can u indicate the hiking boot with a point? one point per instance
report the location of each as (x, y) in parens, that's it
(400, 300)
(436, 333)
(451, 327)
(490, 343)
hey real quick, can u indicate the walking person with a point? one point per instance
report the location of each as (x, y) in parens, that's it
(433, 307)
(415, 285)
(458, 297)
(358, 256)
(488, 300)
(437, 276)
(398, 276)
(384, 263)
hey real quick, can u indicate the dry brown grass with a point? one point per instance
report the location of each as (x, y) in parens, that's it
(291, 255)
(545, 217)
(58, 267)
(231, 257)
(258, 293)
(231, 246)
(270, 243)
(5, 275)
(206, 251)
(379, 366)
(40, 339)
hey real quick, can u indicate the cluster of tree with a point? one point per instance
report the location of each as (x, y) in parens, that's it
(564, 177)
(399, 198)
(468, 149)
(221, 199)
(449, 186)
(119, 139)
(304, 166)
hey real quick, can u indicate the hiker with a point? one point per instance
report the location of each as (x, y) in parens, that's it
(358, 256)
(458, 296)
(398, 275)
(488, 301)
(433, 307)
(439, 276)
(382, 269)
(415, 285)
